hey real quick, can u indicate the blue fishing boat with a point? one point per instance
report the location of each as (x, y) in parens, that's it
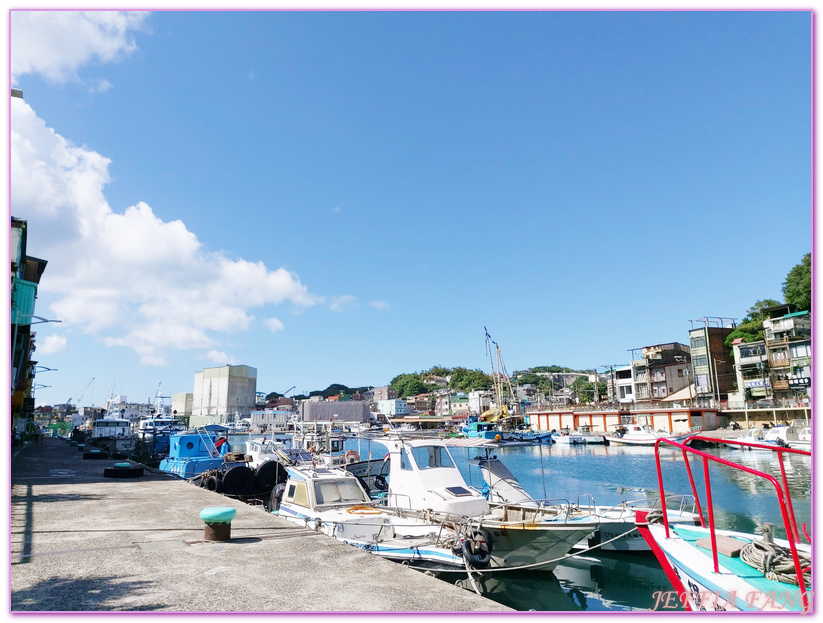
(192, 453)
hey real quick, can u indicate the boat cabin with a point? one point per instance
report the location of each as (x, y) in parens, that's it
(423, 475)
(111, 427)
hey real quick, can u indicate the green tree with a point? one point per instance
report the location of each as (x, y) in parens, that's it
(465, 380)
(751, 327)
(797, 289)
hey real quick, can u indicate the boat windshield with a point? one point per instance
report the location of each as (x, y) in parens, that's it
(339, 492)
(428, 457)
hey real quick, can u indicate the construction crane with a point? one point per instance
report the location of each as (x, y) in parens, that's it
(499, 374)
(79, 395)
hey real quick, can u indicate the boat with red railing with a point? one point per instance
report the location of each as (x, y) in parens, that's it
(714, 569)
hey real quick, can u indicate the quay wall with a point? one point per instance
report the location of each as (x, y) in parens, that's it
(84, 542)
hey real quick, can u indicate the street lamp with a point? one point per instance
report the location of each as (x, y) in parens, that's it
(716, 381)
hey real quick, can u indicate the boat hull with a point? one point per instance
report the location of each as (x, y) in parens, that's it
(736, 588)
(642, 440)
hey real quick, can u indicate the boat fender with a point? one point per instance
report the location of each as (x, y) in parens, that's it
(350, 457)
(477, 550)
(380, 483)
(211, 483)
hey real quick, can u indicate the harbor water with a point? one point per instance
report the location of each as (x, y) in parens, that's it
(610, 475)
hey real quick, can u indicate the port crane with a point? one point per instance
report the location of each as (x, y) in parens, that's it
(79, 395)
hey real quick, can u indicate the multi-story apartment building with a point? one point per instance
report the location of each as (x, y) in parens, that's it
(393, 407)
(480, 400)
(660, 371)
(787, 339)
(621, 386)
(712, 368)
(751, 372)
(384, 393)
(778, 366)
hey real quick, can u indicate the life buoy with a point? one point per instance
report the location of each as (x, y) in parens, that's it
(477, 549)
(351, 457)
(380, 482)
(364, 510)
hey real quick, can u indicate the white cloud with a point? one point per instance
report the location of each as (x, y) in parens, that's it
(221, 358)
(102, 86)
(381, 305)
(274, 325)
(56, 44)
(339, 303)
(136, 280)
(52, 344)
(128, 278)
(336, 209)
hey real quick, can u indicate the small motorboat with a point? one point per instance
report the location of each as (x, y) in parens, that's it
(582, 435)
(334, 502)
(645, 435)
(715, 569)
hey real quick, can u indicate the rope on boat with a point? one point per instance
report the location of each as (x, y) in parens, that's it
(776, 563)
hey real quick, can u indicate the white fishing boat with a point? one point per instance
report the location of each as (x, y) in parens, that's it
(112, 434)
(332, 501)
(150, 427)
(616, 529)
(582, 435)
(262, 449)
(645, 435)
(323, 441)
(423, 478)
(714, 569)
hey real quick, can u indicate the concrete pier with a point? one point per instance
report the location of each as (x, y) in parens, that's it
(84, 542)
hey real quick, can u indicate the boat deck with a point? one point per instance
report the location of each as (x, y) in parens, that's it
(739, 568)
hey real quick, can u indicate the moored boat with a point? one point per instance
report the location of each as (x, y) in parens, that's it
(424, 479)
(333, 501)
(615, 530)
(112, 434)
(715, 569)
(583, 435)
(645, 435)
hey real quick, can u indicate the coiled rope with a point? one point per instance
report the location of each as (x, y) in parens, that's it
(776, 563)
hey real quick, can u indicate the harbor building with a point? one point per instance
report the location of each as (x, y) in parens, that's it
(335, 411)
(224, 394)
(181, 405)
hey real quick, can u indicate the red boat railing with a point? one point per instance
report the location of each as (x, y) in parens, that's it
(782, 491)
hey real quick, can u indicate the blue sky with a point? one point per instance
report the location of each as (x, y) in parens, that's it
(341, 197)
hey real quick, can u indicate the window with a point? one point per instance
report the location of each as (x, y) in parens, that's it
(702, 360)
(405, 463)
(338, 492)
(297, 494)
(698, 342)
(428, 457)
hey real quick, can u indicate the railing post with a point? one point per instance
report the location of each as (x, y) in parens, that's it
(711, 514)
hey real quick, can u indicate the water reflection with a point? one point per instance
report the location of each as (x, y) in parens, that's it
(584, 583)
